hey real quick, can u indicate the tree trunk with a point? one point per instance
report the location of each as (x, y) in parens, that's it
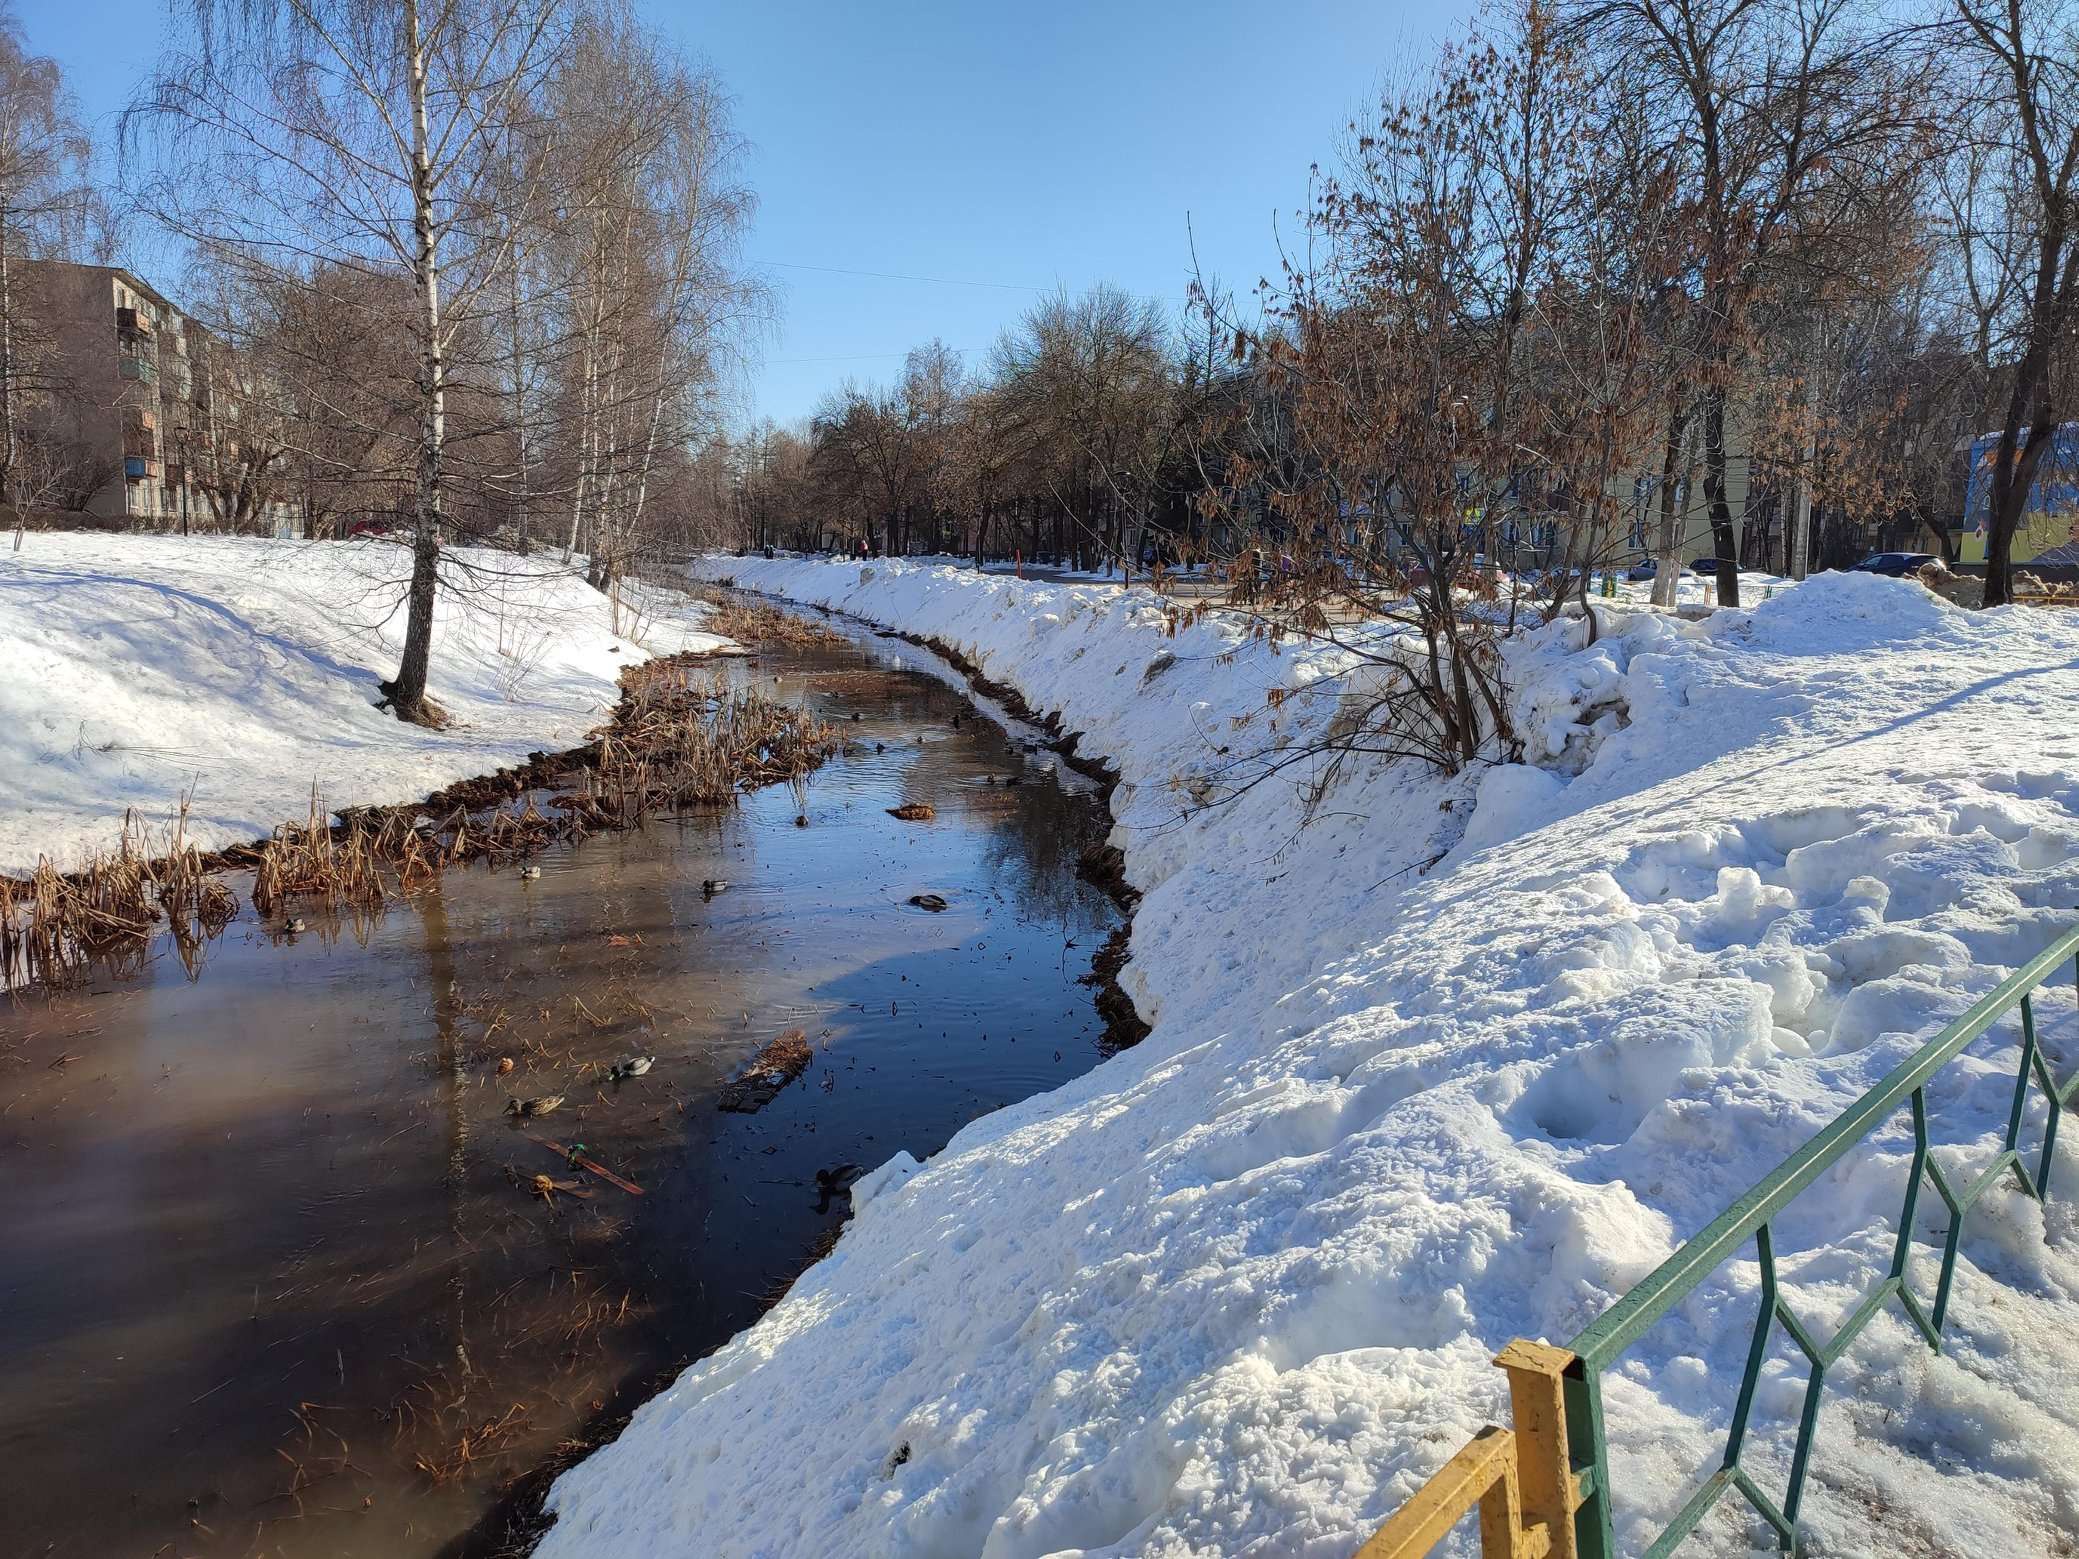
(1668, 576)
(1723, 543)
(407, 692)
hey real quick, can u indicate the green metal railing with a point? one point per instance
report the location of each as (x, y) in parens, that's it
(1542, 1488)
(1597, 1348)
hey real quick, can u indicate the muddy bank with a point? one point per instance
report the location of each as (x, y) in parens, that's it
(677, 735)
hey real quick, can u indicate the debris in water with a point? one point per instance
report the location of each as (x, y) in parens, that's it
(505, 1064)
(575, 1157)
(914, 812)
(772, 1069)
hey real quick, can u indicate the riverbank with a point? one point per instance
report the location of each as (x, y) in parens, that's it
(1458, 1061)
(243, 670)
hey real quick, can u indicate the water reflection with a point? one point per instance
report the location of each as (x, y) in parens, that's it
(278, 1276)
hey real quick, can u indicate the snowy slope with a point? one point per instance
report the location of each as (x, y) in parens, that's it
(1235, 1291)
(141, 666)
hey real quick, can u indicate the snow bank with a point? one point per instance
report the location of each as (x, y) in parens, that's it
(1460, 1061)
(141, 666)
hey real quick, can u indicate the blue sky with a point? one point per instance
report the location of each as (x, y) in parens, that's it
(1027, 146)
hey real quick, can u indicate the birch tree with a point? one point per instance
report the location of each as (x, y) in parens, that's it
(362, 134)
(44, 205)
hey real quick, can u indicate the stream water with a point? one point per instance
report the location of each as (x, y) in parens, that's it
(275, 1277)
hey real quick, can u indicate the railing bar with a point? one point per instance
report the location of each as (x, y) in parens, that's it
(2028, 1056)
(1928, 1333)
(1654, 1295)
(1758, 1349)
(1785, 1530)
(1693, 1510)
(1983, 1181)
(1852, 1327)
(1595, 1530)
(1807, 1431)
(1949, 1246)
(1807, 1344)
(1902, 1245)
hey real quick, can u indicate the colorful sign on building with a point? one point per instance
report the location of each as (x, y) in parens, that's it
(2049, 528)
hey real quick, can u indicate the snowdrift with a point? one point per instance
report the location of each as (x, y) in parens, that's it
(141, 666)
(1457, 1062)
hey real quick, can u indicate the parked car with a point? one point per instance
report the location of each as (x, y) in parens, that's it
(1895, 564)
(369, 528)
(1708, 567)
(1648, 569)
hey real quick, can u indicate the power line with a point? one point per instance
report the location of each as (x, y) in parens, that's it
(936, 281)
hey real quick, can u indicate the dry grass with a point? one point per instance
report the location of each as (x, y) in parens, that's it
(753, 622)
(773, 1068)
(684, 738)
(680, 737)
(53, 924)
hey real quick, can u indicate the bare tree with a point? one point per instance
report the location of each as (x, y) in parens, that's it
(358, 133)
(45, 205)
(2019, 73)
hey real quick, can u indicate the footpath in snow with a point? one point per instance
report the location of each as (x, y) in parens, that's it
(1459, 1061)
(142, 667)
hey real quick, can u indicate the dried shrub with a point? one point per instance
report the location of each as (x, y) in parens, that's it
(53, 924)
(753, 622)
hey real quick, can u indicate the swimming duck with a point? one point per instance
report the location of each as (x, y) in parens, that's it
(710, 886)
(631, 1066)
(530, 873)
(832, 1183)
(296, 926)
(528, 1108)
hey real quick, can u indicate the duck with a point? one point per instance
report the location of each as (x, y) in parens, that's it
(629, 1066)
(931, 901)
(831, 1183)
(710, 886)
(527, 1109)
(295, 926)
(837, 1179)
(530, 873)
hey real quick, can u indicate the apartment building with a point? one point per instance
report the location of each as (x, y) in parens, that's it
(144, 403)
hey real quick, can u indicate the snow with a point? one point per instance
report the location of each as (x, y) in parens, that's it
(1458, 1061)
(140, 667)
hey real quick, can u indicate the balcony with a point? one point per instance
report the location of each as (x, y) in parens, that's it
(136, 323)
(138, 468)
(142, 369)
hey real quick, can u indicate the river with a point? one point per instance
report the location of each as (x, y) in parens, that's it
(275, 1276)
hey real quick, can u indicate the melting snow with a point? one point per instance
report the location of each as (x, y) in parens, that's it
(1419, 1084)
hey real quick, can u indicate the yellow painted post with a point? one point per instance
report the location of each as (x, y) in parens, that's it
(1484, 1467)
(1544, 1470)
(1501, 1516)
